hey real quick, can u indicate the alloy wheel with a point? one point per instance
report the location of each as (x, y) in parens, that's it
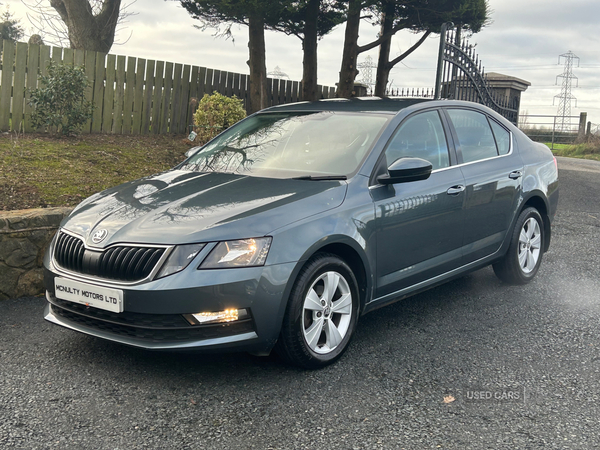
(530, 243)
(327, 312)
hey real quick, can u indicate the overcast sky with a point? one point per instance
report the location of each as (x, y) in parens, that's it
(524, 40)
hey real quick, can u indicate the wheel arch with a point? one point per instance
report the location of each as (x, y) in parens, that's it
(537, 201)
(353, 259)
(350, 252)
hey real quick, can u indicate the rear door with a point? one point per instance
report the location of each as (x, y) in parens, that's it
(493, 174)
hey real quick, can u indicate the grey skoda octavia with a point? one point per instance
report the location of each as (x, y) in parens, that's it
(286, 228)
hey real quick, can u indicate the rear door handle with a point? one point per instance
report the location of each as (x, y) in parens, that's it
(515, 175)
(455, 190)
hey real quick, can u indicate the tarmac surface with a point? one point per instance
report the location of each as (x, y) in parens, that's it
(473, 364)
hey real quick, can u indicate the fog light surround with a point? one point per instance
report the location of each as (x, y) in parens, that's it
(225, 316)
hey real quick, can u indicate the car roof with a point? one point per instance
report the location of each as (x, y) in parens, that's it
(381, 105)
(356, 104)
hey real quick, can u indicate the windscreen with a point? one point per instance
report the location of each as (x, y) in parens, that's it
(289, 145)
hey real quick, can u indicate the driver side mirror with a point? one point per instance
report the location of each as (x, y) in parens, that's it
(404, 170)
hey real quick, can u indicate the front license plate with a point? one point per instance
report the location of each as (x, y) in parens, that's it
(89, 294)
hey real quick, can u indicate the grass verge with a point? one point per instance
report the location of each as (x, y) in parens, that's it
(588, 150)
(558, 146)
(37, 170)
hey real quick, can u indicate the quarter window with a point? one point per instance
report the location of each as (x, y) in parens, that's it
(474, 135)
(502, 138)
(420, 136)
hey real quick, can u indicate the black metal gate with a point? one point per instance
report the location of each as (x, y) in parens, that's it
(460, 76)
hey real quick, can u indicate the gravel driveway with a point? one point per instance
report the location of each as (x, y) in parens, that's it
(417, 375)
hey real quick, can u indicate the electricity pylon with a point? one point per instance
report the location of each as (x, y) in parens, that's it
(366, 69)
(277, 73)
(563, 119)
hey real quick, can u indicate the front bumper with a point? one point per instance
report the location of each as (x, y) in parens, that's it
(153, 312)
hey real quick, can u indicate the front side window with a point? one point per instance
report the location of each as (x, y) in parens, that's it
(293, 144)
(420, 136)
(474, 134)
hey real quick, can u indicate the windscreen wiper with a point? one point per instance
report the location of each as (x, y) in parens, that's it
(323, 177)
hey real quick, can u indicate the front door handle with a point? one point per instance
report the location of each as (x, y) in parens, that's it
(515, 175)
(455, 190)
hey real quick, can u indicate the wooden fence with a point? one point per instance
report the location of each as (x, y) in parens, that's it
(130, 95)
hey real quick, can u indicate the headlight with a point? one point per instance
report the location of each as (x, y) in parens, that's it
(179, 259)
(242, 253)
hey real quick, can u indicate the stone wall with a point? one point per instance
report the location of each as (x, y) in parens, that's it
(24, 237)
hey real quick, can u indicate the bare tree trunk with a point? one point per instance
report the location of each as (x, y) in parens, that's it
(387, 66)
(348, 70)
(86, 30)
(383, 71)
(309, 46)
(257, 63)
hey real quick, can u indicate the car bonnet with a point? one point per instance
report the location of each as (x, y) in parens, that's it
(178, 207)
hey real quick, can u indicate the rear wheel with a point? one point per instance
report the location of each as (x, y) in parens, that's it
(524, 255)
(321, 314)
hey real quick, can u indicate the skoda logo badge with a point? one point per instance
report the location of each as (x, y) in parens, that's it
(99, 236)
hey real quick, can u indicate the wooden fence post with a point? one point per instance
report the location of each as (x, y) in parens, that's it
(185, 100)
(138, 95)
(193, 95)
(147, 102)
(8, 57)
(90, 72)
(202, 82)
(176, 103)
(109, 94)
(119, 95)
(99, 72)
(19, 87)
(165, 112)
(33, 61)
(157, 97)
(129, 91)
(582, 122)
(57, 54)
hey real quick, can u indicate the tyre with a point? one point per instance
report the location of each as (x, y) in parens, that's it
(321, 314)
(524, 255)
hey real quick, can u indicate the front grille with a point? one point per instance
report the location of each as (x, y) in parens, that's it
(122, 263)
(147, 327)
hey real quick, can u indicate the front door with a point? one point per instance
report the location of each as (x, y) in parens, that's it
(419, 223)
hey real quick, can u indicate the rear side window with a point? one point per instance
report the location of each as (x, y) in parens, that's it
(420, 136)
(474, 135)
(502, 138)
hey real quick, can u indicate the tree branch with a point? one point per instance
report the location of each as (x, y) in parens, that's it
(60, 8)
(395, 61)
(109, 8)
(375, 43)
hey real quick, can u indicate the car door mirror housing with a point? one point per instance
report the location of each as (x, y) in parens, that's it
(404, 170)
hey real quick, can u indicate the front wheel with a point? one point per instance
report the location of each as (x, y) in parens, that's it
(524, 255)
(321, 314)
